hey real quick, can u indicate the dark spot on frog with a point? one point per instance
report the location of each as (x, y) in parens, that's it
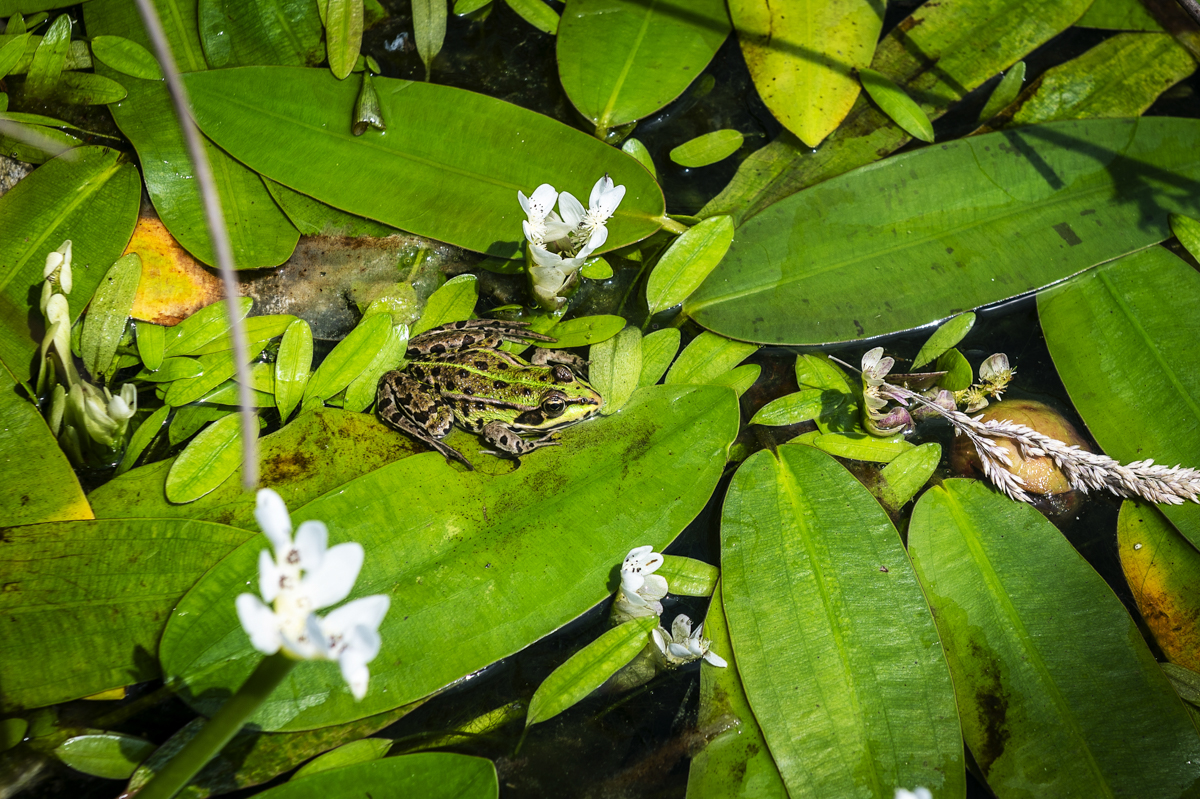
(463, 373)
(502, 366)
(499, 384)
(481, 364)
(438, 349)
(468, 340)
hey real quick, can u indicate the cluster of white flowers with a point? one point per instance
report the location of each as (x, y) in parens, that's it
(994, 376)
(302, 577)
(559, 244)
(640, 595)
(87, 421)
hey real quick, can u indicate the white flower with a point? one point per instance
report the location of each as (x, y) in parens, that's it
(542, 225)
(304, 576)
(589, 226)
(641, 589)
(123, 406)
(59, 262)
(915, 793)
(682, 645)
(875, 367)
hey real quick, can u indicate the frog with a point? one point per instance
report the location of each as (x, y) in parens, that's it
(457, 375)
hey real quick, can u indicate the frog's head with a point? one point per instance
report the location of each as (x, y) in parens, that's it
(568, 399)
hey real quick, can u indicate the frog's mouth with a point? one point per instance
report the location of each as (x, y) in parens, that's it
(548, 418)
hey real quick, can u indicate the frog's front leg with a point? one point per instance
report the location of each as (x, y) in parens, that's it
(407, 404)
(506, 440)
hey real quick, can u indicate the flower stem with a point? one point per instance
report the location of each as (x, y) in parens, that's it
(220, 728)
(671, 226)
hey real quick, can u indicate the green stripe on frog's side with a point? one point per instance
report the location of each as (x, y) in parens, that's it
(456, 376)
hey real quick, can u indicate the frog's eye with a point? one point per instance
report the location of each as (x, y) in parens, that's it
(554, 406)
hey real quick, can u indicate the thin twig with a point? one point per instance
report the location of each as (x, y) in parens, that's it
(219, 233)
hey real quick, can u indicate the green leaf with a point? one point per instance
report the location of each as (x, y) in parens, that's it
(736, 762)
(35, 144)
(256, 328)
(312, 455)
(801, 406)
(150, 427)
(1187, 230)
(185, 423)
(658, 350)
(361, 751)
(707, 149)
(238, 34)
(293, 126)
(208, 461)
(1033, 637)
(84, 88)
(596, 269)
(217, 368)
(638, 150)
(12, 732)
(948, 334)
(50, 58)
(109, 755)
(589, 668)
(894, 102)
(686, 263)
(260, 234)
(959, 374)
(1005, 92)
(429, 28)
(614, 367)
(108, 313)
(90, 601)
(88, 196)
(176, 368)
(1037, 184)
(464, 7)
(612, 470)
(33, 463)
(585, 330)
(430, 775)
(739, 379)
(151, 344)
(688, 576)
(968, 41)
(803, 58)
(350, 357)
(537, 14)
(252, 758)
(126, 56)
(314, 218)
(834, 642)
(707, 356)
(1126, 15)
(361, 391)
(11, 52)
(228, 393)
(861, 447)
(343, 35)
(203, 327)
(623, 60)
(293, 366)
(1137, 381)
(453, 302)
(908, 474)
(1120, 77)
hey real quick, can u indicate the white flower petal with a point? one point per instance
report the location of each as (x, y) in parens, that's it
(660, 639)
(715, 659)
(268, 576)
(681, 628)
(312, 539)
(631, 581)
(331, 583)
(355, 672)
(367, 612)
(273, 520)
(259, 622)
(571, 209)
(311, 644)
(655, 587)
(53, 261)
(679, 651)
(605, 197)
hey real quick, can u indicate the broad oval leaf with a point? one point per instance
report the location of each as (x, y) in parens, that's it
(638, 150)
(1005, 92)
(658, 350)
(151, 344)
(11, 52)
(361, 391)
(589, 668)
(688, 576)
(89, 196)
(452, 302)
(585, 330)
(292, 125)
(430, 775)
(35, 144)
(1126, 15)
(203, 327)
(707, 356)
(948, 334)
(343, 35)
(1137, 381)
(1187, 230)
(833, 639)
(146, 432)
(59, 640)
(959, 374)
(687, 262)
(236, 34)
(621, 60)
(174, 368)
(799, 406)
(708, 148)
(293, 365)
(611, 471)
(858, 446)
(107, 314)
(255, 328)
(908, 473)
(361, 751)
(740, 378)
(350, 357)
(126, 56)
(803, 57)
(49, 58)
(1033, 637)
(896, 103)
(207, 461)
(429, 27)
(1163, 571)
(537, 14)
(110, 755)
(85, 88)
(912, 227)
(614, 366)
(215, 370)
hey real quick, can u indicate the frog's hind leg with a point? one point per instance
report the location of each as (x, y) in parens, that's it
(472, 334)
(409, 406)
(509, 443)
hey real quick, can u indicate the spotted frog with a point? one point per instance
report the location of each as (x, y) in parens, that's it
(456, 375)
